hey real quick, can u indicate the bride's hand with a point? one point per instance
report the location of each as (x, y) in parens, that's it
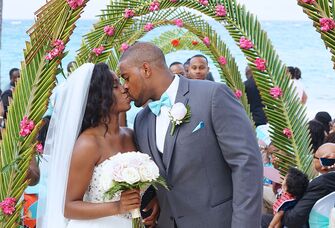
(130, 199)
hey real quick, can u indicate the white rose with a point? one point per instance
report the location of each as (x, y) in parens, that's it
(130, 175)
(149, 171)
(178, 111)
(106, 181)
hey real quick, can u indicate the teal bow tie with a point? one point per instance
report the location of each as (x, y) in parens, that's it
(155, 106)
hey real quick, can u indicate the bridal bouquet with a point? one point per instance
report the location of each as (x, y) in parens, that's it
(131, 170)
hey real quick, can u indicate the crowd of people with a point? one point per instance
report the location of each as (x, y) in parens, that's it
(293, 202)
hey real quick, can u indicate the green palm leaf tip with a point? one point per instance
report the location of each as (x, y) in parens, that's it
(322, 9)
(31, 97)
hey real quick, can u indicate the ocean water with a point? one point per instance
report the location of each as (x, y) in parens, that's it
(296, 42)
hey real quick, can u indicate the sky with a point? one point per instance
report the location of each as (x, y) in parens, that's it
(264, 9)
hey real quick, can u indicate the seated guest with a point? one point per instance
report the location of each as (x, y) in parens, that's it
(177, 68)
(319, 187)
(325, 119)
(186, 66)
(293, 188)
(317, 133)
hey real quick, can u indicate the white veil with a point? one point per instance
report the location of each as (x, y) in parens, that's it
(63, 132)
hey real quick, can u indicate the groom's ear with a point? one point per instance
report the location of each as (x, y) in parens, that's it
(147, 70)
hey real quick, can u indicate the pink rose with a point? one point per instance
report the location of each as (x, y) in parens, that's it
(206, 41)
(260, 64)
(276, 92)
(39, 148)
(58, 42)
(327, 24)
(26, 126)
(98, 51)
(203, 2)
(148, 27)
(154, 6)
(238, 93)
(287, 132)
(74, 4)
(109, 30)
(220, 11)
(178, 22)
(245, 43)
(129, 13)
(222, 60)
(124, 47)
(8, 206)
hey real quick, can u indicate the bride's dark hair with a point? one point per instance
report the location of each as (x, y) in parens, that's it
(100, 98)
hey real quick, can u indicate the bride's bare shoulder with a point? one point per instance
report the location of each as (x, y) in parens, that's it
(87, 144)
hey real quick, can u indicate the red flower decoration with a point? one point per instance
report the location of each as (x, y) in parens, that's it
(175, 42)
(39, 148)
(26, 126)
(195, 42)
(327, 24)
(246, 43)
(109, 30)
(98, 51)
(129, 13)
(308, 1)
(287, 132)
(203, 2)
(220, 11)
(154, 6)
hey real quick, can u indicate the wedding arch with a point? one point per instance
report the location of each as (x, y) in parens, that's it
(120, 25)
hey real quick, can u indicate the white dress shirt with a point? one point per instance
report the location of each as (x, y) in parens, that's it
(162, 120)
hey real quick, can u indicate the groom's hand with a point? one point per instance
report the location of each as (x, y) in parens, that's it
(151, 219)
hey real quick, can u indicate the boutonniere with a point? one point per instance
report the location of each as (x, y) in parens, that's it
(178, 114)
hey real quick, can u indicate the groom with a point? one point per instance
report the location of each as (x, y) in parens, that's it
(211, 163)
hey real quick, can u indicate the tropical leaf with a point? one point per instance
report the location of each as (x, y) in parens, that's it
(322, 9)
(55, 20)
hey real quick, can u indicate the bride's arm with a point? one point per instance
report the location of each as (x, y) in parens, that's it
(84, 158)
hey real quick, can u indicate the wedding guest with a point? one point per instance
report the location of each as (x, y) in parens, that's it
(198, 68)
(295, 73)
(177, 68)
(14, 74)
(319, 187)
(317, 133)
(325, 119)
(186, 67)
(254, 99)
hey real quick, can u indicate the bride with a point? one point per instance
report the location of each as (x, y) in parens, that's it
(83, 136)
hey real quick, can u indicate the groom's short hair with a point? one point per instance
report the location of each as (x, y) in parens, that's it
(144, 52)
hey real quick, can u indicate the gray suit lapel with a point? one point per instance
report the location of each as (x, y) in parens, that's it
(152, 143)
(171, 140)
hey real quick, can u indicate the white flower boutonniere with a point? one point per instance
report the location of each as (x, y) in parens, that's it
(179, 114)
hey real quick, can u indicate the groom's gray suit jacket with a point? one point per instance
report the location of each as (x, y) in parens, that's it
(215, 173)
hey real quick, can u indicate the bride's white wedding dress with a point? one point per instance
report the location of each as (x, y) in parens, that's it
(95, 194)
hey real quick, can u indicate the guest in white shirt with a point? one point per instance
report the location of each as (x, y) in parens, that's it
(296, 76)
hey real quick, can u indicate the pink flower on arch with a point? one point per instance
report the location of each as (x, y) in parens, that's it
(222, 60)
(154, 6)
(203, 2)
(327, 24)
(124, 47)
(129, 13)
(39, 148)
(26, 126)
(260, 64)
(148, 27)
(287, 132)
(58, 48)
(276, 92)
(220, 11)
(109, 30)
(246, 43)
(308, 1)
(178, 22)
(238, 93)
(8, 206)
(98, 51)
(74, 4)
(175, 42)
(206, 41)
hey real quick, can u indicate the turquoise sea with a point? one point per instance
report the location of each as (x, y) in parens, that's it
(296, 42)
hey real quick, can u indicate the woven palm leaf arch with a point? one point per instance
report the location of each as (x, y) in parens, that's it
(318, 10)
(284, 113)
(56, 21)
(199, 29)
